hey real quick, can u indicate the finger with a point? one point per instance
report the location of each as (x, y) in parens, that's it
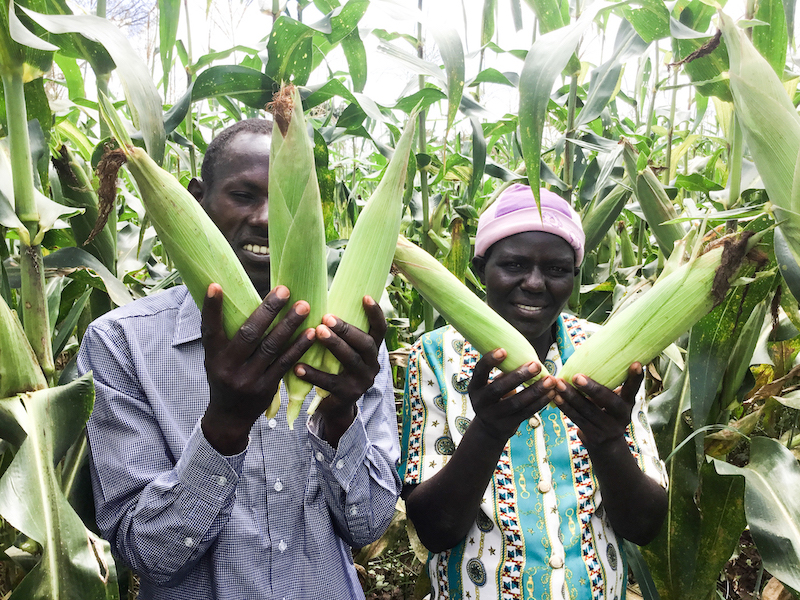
(505, 383)
(480, 374)
(376, 320)
(531, 399)
(347, 338)
(273, 343)
(632, 384)
(576, 411)
(287, 359)
(212, 331)
(249, 335)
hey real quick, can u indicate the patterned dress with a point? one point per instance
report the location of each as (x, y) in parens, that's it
(541, 531)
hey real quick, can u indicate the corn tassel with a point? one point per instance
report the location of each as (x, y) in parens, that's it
(298, 253)
(479, 324)
(367, 259)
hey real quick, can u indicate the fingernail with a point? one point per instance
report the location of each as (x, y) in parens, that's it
(558, 400)
(282, 292)
(499, 354)
(213, 290)
(561, 386)
(548, 383)
(534, 368)
(579, 379)
(369, 301)
(323, 332)
(302, 307)
(299, 371)
(311, 334)
(329, 320)
(551, 394)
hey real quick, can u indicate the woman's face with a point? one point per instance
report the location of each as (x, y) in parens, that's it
(529, 277)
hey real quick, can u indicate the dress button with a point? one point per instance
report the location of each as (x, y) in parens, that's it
(340, 464)
(556, 561)
(278, 485)
(319, 456)
(544, 487)
(534, 421)
(282, 546)
(222, 480)
(272, 423)
(188, 542)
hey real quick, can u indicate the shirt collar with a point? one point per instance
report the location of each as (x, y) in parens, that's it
(187, 328)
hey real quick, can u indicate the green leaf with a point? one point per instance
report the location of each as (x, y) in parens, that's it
(75, 564)
(140, 92)
(602, 89)
(457, 260)
(773, 513)
(345, 20)
(76, 258)
(169, 12)
(492, 75)
(249, 86)
(452, 53)
(72, 75)
(478, 158)
(356, 56)
(289, 50)
(551, 14)
(546, 59)
(651, 20)
(771, 39)
(487, 21)
(697, 183)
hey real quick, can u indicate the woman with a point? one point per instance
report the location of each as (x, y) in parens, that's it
(525, 494)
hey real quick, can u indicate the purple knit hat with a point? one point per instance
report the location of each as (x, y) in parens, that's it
(515, 211)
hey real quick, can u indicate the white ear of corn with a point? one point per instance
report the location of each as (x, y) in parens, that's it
(476, 321)
(298, 255)
(646, 327)
(196, 246)
(366, 260)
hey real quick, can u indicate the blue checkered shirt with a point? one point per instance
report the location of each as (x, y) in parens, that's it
(276, 521)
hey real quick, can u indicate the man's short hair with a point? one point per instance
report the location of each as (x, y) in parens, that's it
(220, 143)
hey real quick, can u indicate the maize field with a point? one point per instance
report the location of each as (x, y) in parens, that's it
(672, 128)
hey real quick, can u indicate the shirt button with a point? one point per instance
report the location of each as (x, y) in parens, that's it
(221, 480)
(340, 464)
(354, 511)
(544, 487)
(556, 561)
(534, 421)
(272, 423)
(282, 546)
(188, 542)
(320, 457)
(278, 485)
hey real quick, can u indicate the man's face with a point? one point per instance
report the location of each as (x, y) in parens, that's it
(237, 202)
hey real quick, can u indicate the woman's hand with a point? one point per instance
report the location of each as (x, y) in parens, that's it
(497, 408)
(602, 415)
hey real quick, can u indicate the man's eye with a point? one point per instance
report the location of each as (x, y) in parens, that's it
(242, 196)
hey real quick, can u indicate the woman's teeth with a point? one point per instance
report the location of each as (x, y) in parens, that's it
(528, 307)
(256, 249)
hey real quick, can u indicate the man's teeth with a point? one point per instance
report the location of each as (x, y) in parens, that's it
(256, 249)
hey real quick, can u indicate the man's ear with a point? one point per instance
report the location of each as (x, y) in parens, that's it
(197, 189)
(479, 263)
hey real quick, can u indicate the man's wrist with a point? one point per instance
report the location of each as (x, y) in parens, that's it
(224, 437)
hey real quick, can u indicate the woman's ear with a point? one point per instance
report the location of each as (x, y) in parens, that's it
(479, 263)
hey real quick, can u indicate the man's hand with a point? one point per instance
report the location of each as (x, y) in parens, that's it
(497, 408)
(358, 353)
(244, 373)
(602, 415)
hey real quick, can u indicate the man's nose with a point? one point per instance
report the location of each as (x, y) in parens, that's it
(259, 215)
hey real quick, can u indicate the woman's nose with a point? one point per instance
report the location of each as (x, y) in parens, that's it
(534, 280)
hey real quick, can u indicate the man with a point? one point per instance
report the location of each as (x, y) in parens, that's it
(516, 497)
(195, 489)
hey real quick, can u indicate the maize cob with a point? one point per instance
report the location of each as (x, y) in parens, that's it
(199, 250)
(479, 324)
(771, 128)
(638, 333)
(298, 253)
(19, 369)
(366, 261)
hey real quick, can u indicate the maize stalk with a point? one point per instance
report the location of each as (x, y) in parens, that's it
(479, 324)
(637, 334)
(200, 252)
(298, 253)
(368, 256)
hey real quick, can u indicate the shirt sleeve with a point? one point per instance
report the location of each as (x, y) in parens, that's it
(160, 513)
(359, 477)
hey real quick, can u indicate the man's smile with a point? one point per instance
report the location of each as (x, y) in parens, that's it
(256, 249)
